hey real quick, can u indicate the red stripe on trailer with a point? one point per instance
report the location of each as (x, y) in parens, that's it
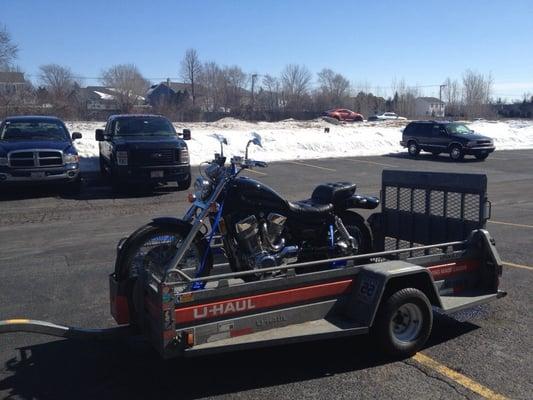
(443, 271)
(240, 332)
(257, 302)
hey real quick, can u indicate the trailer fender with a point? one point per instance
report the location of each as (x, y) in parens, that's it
(376, 282)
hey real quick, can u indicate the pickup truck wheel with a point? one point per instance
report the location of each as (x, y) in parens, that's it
(185, 184)
(413, 149)
(456, 153)
(404, 322)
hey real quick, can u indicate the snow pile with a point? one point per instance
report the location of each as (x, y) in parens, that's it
(292, 140)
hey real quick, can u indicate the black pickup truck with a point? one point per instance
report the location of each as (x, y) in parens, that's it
(144, 149)
(38, 149)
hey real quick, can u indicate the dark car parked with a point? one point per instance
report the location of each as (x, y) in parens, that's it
(453, 138)
(145, 149)
(37, 149)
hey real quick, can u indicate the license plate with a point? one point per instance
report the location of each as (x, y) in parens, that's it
(156, 174)
(37, 175)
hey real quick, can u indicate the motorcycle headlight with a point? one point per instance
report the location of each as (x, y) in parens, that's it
(202, 188)
(122, 158)
(3, 161)
(71, 158)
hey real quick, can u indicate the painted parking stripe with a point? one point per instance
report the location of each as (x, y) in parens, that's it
(373, 163)
(455, 376)
(508, 264)
(311, 165)
(511, 224)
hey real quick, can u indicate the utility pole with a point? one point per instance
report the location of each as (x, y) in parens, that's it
(440, 95)
(254, 76)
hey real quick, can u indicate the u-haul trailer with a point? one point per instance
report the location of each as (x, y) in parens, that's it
(390, 292)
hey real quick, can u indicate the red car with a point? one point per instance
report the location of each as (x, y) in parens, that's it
(343, 114)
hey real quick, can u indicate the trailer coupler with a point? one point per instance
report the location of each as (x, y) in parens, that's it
(51, 329)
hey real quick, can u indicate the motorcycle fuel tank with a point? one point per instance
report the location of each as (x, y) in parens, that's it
(251, 193)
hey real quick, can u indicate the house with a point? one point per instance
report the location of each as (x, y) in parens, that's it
(11, 82)
(429, 107)
(167, 93)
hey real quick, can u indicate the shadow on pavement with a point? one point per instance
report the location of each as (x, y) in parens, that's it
(130, 369)
(443, 158)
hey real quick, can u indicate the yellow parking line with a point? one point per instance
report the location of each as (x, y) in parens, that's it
(510, 224)
(310, 165)
(516, 265)
(457, 377)
(373, 162)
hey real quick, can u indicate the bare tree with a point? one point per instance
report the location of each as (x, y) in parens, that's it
(334, 88)
(59, 83)
(127, 82)
(404, 101)
(477, 89)
(191, 67)
(296, 81)
(234, 82)
(451, 95)
(8, 50)
(211, 78)
(269, 94)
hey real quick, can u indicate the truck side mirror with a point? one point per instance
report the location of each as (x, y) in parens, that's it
(186, 134)
(99, 135)
(76, 135)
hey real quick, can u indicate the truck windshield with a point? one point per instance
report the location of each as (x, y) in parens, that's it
(33, 130)
(458, 129)
(152, 126)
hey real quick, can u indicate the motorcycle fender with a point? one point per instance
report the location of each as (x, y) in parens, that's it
(359, 201)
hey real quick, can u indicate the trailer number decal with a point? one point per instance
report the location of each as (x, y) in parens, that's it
(367, 290)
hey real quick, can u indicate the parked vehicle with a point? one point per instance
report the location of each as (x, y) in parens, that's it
(386, 116)
(37, 149)
(259, 228)
(453, 138)
(145, 149)
(343, 114)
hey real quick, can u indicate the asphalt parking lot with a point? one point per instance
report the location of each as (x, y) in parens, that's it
(56, 251)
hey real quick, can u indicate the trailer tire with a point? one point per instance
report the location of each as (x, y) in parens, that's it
(404, 323)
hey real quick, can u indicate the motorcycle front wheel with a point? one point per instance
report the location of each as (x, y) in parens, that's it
(151, 248)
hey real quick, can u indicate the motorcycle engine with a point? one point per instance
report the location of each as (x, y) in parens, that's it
(261, 242)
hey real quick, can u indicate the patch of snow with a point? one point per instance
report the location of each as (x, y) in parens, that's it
(293, 140)
(105, 96)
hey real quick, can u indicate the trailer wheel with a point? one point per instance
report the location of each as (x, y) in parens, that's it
(404, 322)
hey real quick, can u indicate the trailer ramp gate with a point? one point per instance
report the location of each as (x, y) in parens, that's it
(423, 208)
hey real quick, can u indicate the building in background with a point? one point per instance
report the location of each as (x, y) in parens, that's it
(429, 107)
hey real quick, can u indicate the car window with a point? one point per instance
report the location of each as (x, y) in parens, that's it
(34, 130)
(153, 126)
(458, 129)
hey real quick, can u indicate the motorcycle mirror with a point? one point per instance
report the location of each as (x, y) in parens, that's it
(256, 139)
(223, 141)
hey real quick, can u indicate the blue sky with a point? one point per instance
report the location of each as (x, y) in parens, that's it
(370, 42)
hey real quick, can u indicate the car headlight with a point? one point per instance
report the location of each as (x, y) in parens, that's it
(202, 188)
(71, 158)
(122, 158)
(3, 161)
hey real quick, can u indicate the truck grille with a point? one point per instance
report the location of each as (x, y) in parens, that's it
(35, 159)
(155, 157)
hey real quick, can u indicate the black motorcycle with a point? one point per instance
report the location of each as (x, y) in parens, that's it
(255, 227)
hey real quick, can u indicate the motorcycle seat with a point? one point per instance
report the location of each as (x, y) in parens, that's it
(310, 209)
(333, 192)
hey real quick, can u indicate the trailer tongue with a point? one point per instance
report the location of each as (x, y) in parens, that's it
(390, 292)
